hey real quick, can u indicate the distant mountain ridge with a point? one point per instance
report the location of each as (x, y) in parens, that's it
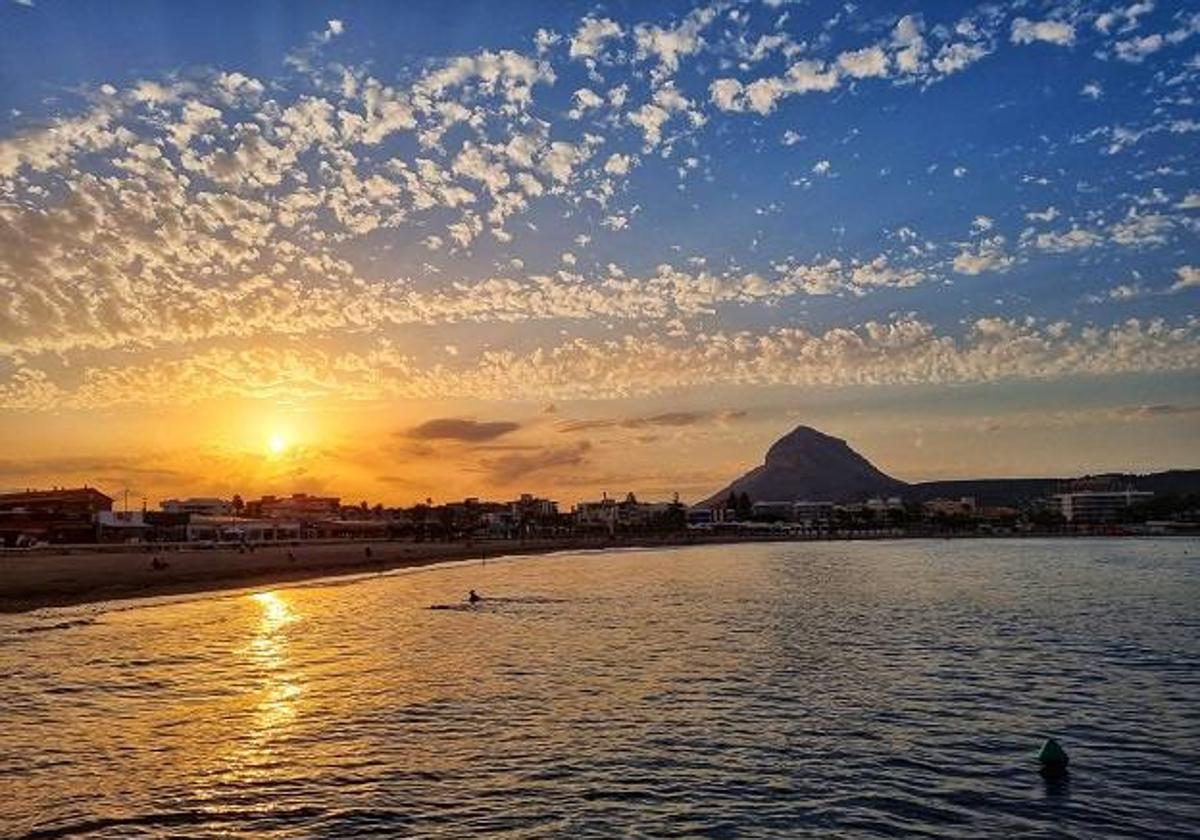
(806, 464)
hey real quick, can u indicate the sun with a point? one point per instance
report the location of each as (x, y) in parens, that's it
(276, 444)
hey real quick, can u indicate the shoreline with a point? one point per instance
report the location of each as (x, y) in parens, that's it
(84, 574)
(80, 575)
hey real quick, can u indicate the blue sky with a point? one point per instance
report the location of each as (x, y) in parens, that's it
(454, 208)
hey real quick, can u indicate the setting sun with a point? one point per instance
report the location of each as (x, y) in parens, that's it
(277, 444)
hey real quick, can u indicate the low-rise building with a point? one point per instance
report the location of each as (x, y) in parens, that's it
(122, 526)
(627, 514)
(298, 506)
(202, 506)
(239, 529)
(880, 505)
(59, 515)
(961, 507)
(774, 511)
(812, 514)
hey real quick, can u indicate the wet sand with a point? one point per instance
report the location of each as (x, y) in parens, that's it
(56, 577)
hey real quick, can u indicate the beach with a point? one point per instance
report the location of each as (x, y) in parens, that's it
(58, 577)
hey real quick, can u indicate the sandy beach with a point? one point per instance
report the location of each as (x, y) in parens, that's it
(80, 575)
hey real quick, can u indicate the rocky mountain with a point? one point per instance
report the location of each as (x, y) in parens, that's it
(808, 464)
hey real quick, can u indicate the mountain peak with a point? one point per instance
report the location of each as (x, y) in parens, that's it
(801, 440)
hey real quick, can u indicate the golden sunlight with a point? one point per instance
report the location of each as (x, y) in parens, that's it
(277, 444)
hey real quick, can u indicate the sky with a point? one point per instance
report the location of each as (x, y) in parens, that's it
(396, 251)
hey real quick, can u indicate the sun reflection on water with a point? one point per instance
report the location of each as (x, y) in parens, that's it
(269, 652)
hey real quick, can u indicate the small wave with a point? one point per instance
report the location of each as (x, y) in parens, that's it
(59, 625)
(174, 819)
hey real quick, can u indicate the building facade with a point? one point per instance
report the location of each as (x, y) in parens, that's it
(60, 515)
(1097, 507)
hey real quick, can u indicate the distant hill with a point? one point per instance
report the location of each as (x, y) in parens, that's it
(806, 464)
(1015, 491)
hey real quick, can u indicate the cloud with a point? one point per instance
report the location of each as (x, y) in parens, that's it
(987, 255)
(1189, 278)
(64, 138)
(590, 36)
(1063, 242)
(671, 419)
(668, 45)
(867, 63)
(470, 431)
(908, 38)
(653, 115)
(1135, 50)
(1048, 215)
(762, 95)
(901, 351)
(1025, 31)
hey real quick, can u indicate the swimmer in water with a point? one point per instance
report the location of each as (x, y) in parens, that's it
(474, 598)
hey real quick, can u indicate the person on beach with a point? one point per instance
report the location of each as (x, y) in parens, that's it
(474, 598)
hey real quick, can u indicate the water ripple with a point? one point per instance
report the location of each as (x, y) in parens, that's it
(839, 690)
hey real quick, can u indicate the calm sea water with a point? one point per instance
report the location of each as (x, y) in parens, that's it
(831, 690)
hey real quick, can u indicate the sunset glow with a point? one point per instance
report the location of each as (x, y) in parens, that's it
(577, 250)
(599, 418)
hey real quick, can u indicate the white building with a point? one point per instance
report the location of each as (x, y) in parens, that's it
(236, 529)
(812, 514)
(202, 506)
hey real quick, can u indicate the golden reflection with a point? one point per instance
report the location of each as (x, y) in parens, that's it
(269, 651)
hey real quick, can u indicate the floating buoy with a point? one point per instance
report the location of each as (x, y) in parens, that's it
(1053, 759)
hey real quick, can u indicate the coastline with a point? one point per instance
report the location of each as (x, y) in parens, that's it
(83, 574)
(78, 575)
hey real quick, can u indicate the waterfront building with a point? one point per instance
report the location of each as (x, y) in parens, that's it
(239, 529)
(961, 507)
(59, 515)
(121, 526)
(812, 514)
(202, 506)
(879, 505)
(1096, 507)
(775, 511)
(629, 514)
(298, 506)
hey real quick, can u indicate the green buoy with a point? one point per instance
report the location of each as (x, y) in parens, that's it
(1053, 759)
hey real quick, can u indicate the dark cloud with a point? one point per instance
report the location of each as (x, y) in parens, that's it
(669, 419)
(470, 431)
(509, 468)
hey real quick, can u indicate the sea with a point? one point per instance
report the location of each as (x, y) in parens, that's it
(833, 690)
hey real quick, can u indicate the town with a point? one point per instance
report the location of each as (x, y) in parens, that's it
(86, 515)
